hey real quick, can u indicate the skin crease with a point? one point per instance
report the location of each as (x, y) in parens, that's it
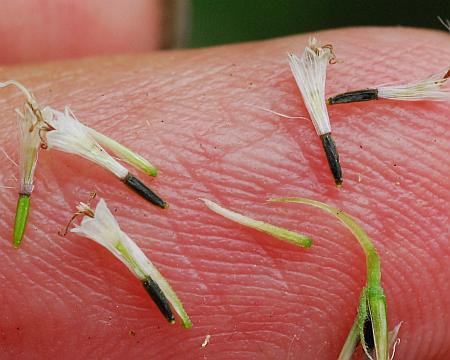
(191, 114)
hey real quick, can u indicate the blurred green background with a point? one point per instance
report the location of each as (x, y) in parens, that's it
(224, 21)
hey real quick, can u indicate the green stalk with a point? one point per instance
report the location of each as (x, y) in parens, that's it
(124, 153)
(372, 315)
(350, 344)
(20, 224)
(275, 231)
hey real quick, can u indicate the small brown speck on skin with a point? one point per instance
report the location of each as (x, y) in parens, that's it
(131, 333)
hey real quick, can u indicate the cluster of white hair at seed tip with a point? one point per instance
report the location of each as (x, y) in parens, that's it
(29, 143)
(104, 229)
(29, 138)
(71, 136)
(310, 74)
(431, 88)
(445, 22)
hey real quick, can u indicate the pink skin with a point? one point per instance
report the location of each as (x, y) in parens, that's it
(191, 113)
(40, 30)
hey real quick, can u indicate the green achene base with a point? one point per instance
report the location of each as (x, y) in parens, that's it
(22, 210)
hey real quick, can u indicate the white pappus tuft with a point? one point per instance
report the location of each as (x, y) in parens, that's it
(118, 149)
(445, 22)
(67, 134)
(430, 88)
(29, 122)
(310, 74)
(29, 144)
(101, 227)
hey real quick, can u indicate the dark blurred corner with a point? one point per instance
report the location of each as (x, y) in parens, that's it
(223, 21)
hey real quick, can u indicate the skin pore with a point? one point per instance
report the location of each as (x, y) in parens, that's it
(190, 113)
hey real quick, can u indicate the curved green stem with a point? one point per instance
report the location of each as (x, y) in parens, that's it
(371, 321)
(373, 262)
